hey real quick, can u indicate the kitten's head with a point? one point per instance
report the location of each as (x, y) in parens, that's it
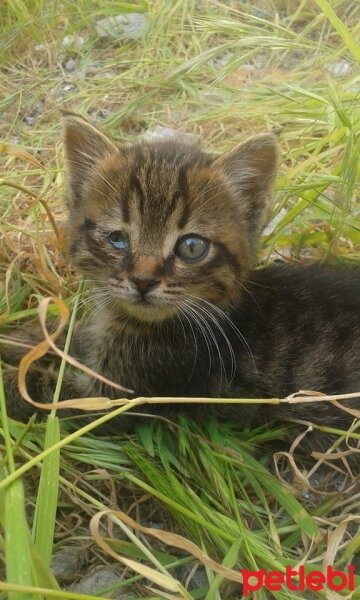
(161, 224)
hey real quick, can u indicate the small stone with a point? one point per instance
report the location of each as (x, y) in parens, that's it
(66, 563)
(30, 118)
(96, 580)
(109, 74)
(72, 41)
(340, 68)
(70, 65)
(39, 106)
(166, 133)
(69, 87)
(129, 26)
(65, 88)
(260, 14)
(98, 114)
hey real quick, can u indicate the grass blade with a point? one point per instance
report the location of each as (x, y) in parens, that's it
(46, 503)
(17, 541)
(342, 30)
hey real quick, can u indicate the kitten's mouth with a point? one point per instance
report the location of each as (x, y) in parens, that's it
(144, 307)
(144, 301)
(148, 309)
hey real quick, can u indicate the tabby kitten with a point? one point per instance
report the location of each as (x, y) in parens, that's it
(168, 234)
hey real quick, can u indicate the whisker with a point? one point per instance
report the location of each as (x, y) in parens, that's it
(231, 352)
(213, 337)
(195, 317)
(182, 311)
(238, 333)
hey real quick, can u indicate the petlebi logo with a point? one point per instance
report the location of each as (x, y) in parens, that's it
(298, 580)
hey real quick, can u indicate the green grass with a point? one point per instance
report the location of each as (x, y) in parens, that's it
(224, 72)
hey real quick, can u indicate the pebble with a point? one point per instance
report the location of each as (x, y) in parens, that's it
(69, 65)
(98, 114)
(30, 118)
(340, 68)
(129, 26)
(69, 87)
(72, 41)
(66, 87)
(166, 133)
(66, 563)
(98, 579)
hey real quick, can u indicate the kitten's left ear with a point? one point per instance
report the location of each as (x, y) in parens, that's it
(249, 171)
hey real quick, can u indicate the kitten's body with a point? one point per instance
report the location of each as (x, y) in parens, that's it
(294, 330)
(168, 235)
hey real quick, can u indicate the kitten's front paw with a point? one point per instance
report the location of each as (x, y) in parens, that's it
(40, 386)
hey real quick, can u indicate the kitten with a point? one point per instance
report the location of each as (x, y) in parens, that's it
(168, 235)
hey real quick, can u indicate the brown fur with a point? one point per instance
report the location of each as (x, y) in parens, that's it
(164, 325)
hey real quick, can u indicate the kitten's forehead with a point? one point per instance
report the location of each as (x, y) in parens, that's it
(154, 185)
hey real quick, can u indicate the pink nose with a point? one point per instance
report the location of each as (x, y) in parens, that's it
(144, 285)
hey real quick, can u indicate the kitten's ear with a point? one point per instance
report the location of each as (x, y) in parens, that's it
(84, 146)
(250, 170)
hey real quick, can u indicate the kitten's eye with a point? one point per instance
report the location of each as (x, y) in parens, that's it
(119, 239)
(191, 248)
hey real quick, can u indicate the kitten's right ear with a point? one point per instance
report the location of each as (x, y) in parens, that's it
(84, 146)
(249, 171)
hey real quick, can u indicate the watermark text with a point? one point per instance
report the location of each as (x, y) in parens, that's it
(298, 580)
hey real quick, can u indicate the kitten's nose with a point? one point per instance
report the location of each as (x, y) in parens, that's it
(144, 285)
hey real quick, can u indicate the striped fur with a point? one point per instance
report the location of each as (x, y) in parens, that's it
(165, 325)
